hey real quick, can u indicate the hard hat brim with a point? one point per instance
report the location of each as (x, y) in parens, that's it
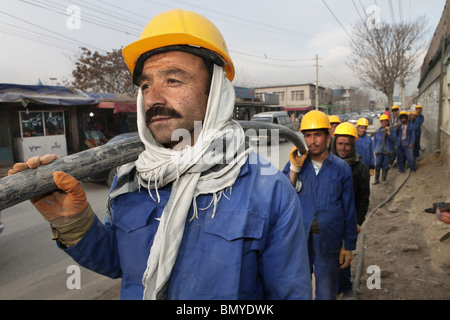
(133, 51)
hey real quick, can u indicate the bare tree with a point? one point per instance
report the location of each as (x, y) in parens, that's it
(382, 57)
(101, 73)
(360, 100)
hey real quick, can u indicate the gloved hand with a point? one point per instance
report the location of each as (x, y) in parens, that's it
(62, 206)
(388, 130)
(444, 216)
(371, 172)
(296, 159)
(345, 258)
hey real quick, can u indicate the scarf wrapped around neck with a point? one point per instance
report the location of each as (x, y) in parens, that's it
(210, 166)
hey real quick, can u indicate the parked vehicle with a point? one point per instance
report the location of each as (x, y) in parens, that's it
(344, 117)
(107, 176)
(367, 116)
(354, 119)
(2, 226)
(274, 117)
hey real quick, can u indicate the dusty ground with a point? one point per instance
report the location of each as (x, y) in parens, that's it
(404, 241)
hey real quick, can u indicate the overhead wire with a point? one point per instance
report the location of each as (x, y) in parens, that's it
(38, 36)
(337, 19)
(51, 31)
(92, 20)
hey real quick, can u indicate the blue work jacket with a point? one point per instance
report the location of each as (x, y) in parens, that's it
(364, 147)
(417, 124)
(410, 136)
(329, 198)
(254, 247)
(389, 145)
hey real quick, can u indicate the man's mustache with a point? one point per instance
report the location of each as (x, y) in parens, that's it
(160, 110)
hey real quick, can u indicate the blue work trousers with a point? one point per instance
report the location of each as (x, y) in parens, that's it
(404, 153)
(325, 266)
(382, 161)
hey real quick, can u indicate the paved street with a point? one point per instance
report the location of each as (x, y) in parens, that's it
(32, 267)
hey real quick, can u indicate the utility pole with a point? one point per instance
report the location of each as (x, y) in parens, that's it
(317, 82)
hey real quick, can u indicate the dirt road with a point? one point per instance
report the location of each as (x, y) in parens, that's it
(403, 241)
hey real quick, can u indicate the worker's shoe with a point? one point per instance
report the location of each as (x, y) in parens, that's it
(433, 209)
(377, 177)
(384, 176)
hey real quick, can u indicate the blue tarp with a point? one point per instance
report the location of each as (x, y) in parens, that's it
(53, 95)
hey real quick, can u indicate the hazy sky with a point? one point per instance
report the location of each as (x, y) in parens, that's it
(271, 42)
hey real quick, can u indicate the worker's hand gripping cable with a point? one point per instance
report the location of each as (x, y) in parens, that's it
(297, 161)
(66, 209)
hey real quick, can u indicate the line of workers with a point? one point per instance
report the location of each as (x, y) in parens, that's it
(398, 138)
(335, 173)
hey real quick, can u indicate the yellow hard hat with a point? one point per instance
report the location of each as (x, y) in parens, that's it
(334, 119)
(362, 122)
(384, 117)
(414, 113)
(419, 106)
(395, 107)
(403, 113)
(315, 119)
(346, 129)
(179, 28)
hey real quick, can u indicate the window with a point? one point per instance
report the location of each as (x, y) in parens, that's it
(54, 123)
(298, 95)
(32, 125)
(42, 123)
(280, 95)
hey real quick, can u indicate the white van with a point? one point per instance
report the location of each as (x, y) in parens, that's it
(273, 117)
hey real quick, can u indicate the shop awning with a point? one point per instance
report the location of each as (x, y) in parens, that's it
(118, 106)
(298, 108)
(52, 95)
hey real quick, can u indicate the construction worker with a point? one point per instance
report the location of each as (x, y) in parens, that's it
(174, 230)
(384, 147)
(364, 145)
(343, 145)
(325, 189)
(395, 121)
(412, 120)
(404, 143)
(419, 119)
(334, 122)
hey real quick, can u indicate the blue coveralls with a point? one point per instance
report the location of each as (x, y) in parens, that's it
(254, 247)
(417, 124)
(403, 150)
(382, 155)
(327, 197)
(364, 147)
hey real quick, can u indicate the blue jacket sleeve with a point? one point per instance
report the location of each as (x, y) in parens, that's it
(348, 201)
(87, 253)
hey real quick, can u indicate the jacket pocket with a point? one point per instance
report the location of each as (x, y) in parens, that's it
(230, 246)
(130, 218)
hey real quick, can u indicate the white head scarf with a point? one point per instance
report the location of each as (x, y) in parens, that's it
(157, 166)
